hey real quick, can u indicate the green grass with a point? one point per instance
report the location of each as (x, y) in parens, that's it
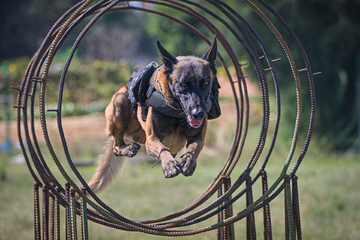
(328, 185)
(330, 196)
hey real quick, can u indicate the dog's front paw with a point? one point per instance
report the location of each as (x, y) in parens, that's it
(129, 150)
(171, 168)
(188, 164)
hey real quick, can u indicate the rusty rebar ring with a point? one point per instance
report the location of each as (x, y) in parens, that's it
(34, 84)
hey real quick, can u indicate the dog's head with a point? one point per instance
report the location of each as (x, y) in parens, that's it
(190, 80)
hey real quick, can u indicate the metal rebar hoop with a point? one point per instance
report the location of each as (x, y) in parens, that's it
(244, 34)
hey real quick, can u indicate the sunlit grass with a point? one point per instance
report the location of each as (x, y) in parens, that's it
(328, 185)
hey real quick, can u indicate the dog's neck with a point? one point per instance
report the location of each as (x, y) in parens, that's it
(161, 83)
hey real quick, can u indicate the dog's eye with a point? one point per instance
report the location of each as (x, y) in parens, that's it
(206, 83)
(184, 84)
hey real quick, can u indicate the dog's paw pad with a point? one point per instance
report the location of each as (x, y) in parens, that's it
(188, 165)
(171, 169)
(131, 149)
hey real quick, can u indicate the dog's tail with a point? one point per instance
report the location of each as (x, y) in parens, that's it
(108, 169)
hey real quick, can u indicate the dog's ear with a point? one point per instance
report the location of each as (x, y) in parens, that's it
(168, 59)
(210, 55)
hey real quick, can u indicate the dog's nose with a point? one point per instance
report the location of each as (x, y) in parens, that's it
(198, 114)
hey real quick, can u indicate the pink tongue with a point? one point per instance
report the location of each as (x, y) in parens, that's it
(195, 122)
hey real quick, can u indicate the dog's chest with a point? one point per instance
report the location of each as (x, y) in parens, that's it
(176, 137)
(174, 142)
(173, 137)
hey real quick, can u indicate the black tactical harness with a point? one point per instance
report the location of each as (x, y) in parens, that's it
(142, 94)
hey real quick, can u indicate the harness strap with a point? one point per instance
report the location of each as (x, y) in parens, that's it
(142, 94)
(157, 101)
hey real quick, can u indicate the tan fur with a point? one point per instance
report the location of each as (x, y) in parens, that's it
(108, 169)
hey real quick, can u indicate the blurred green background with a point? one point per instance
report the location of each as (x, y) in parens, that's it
(121, 41)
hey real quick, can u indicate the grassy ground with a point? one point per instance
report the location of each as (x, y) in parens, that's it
(328, 185)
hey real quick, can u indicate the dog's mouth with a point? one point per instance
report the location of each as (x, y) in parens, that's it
(194, 122)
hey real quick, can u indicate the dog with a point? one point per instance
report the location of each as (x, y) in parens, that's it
(185, 82)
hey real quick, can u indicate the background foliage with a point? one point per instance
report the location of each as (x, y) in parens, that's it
(327, 29)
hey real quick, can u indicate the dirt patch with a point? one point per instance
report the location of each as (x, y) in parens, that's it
(84, 127)
(75, 128)
(93, 126)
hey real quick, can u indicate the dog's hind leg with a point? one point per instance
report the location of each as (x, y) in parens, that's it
(119, 119)
(118, 116)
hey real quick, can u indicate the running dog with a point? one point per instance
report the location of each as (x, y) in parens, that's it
(185, 83)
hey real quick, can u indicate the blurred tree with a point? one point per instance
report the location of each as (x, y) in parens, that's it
(117, 36)
(329, 32)
(180, 40)
(176, 38)
(24, 24)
